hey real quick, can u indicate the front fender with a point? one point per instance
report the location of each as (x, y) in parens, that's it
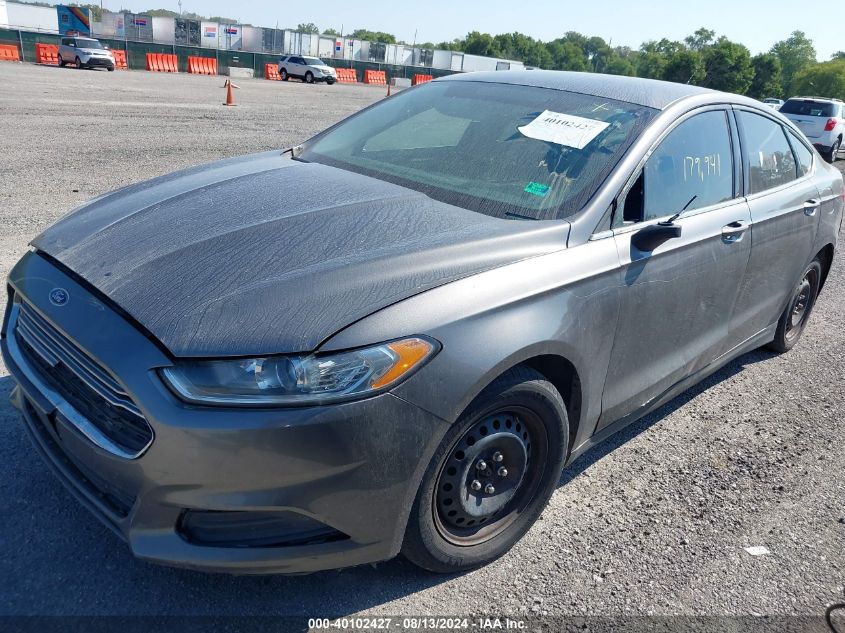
(563, 304)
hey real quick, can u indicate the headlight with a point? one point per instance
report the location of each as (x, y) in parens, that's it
(299, 380)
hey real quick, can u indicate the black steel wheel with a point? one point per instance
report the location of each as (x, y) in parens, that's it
(491, 476)
(794, 318)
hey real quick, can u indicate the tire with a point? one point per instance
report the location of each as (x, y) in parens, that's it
(309, 77)
(79, 63)
(330, 82)
(794, 318)
(61, 62)
(834, 150)
(519, 429)
(110, 68)
(284, 74)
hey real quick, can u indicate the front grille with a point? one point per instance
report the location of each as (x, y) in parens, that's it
(81, 381)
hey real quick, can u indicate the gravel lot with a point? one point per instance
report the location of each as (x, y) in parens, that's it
(653, 522)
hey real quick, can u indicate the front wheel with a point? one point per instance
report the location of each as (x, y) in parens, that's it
(834, 150)
(309, 77)
(330, 82)
(110, 68)
(79, 63)
(491, 476)
(794, 318)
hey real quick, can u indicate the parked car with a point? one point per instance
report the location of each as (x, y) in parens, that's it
(239, 371)
(85, 52)
(821, 120)
(775, 104)
(308, 69)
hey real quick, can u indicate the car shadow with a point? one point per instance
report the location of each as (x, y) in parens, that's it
(633, 430)
(54, 548)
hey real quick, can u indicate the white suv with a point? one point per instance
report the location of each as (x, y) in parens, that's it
(308, 69)
(821, 119)
(85, 52)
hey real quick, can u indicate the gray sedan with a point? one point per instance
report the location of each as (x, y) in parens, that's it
(237, 371)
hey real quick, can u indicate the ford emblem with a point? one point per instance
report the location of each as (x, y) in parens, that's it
(59, 296)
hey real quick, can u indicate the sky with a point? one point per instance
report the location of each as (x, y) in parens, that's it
(756, 23)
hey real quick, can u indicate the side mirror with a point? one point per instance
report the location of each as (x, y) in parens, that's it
(651, 237)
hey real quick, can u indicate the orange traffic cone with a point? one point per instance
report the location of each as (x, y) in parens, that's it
(230, 98)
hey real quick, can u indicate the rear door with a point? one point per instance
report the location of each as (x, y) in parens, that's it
(784, 204)
(678, 295)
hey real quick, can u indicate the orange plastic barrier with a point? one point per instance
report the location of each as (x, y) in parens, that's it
(375, 77)
(202, 66)
(271, 72)
(162, 63)
(421, 79)
(9, 53)
(347, 76)
(46, 54)
(120, 59)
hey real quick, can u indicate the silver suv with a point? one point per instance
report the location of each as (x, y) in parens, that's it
(821, 119)
(308, 69)
(85, 52)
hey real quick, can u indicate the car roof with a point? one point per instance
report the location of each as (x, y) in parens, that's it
(821, 99)
(645, 92)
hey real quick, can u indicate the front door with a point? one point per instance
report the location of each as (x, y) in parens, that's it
(679, 287)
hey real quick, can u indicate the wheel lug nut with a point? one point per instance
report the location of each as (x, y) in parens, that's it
(489, 489)
(475, 485)
(498, 457)
(503, 472)
(481, 465)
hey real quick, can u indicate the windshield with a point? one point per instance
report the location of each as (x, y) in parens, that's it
(88, 44)
(504, 150)
(313, 61)
(807, 108)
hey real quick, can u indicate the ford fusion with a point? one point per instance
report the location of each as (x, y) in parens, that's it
(392, 338)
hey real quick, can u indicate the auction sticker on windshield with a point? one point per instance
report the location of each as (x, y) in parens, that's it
(563, 129)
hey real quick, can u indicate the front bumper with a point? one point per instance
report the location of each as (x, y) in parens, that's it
(100, 62)
(351, 468)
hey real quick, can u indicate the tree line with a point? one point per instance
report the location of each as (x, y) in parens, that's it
(789, 68)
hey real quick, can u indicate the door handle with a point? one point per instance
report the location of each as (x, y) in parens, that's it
(734, 231)
(811, 206)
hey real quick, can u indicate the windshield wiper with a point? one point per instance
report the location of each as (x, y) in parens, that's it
(678, 214)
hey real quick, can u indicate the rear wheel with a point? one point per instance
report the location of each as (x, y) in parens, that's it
(309, 77)
(61, 62)
(794, 318)
(283, 74)
(834, 150)
(491, 477)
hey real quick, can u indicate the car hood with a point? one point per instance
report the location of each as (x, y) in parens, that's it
(264, 254)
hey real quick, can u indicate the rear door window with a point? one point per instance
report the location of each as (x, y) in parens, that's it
(767, 152)
(804, 155)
